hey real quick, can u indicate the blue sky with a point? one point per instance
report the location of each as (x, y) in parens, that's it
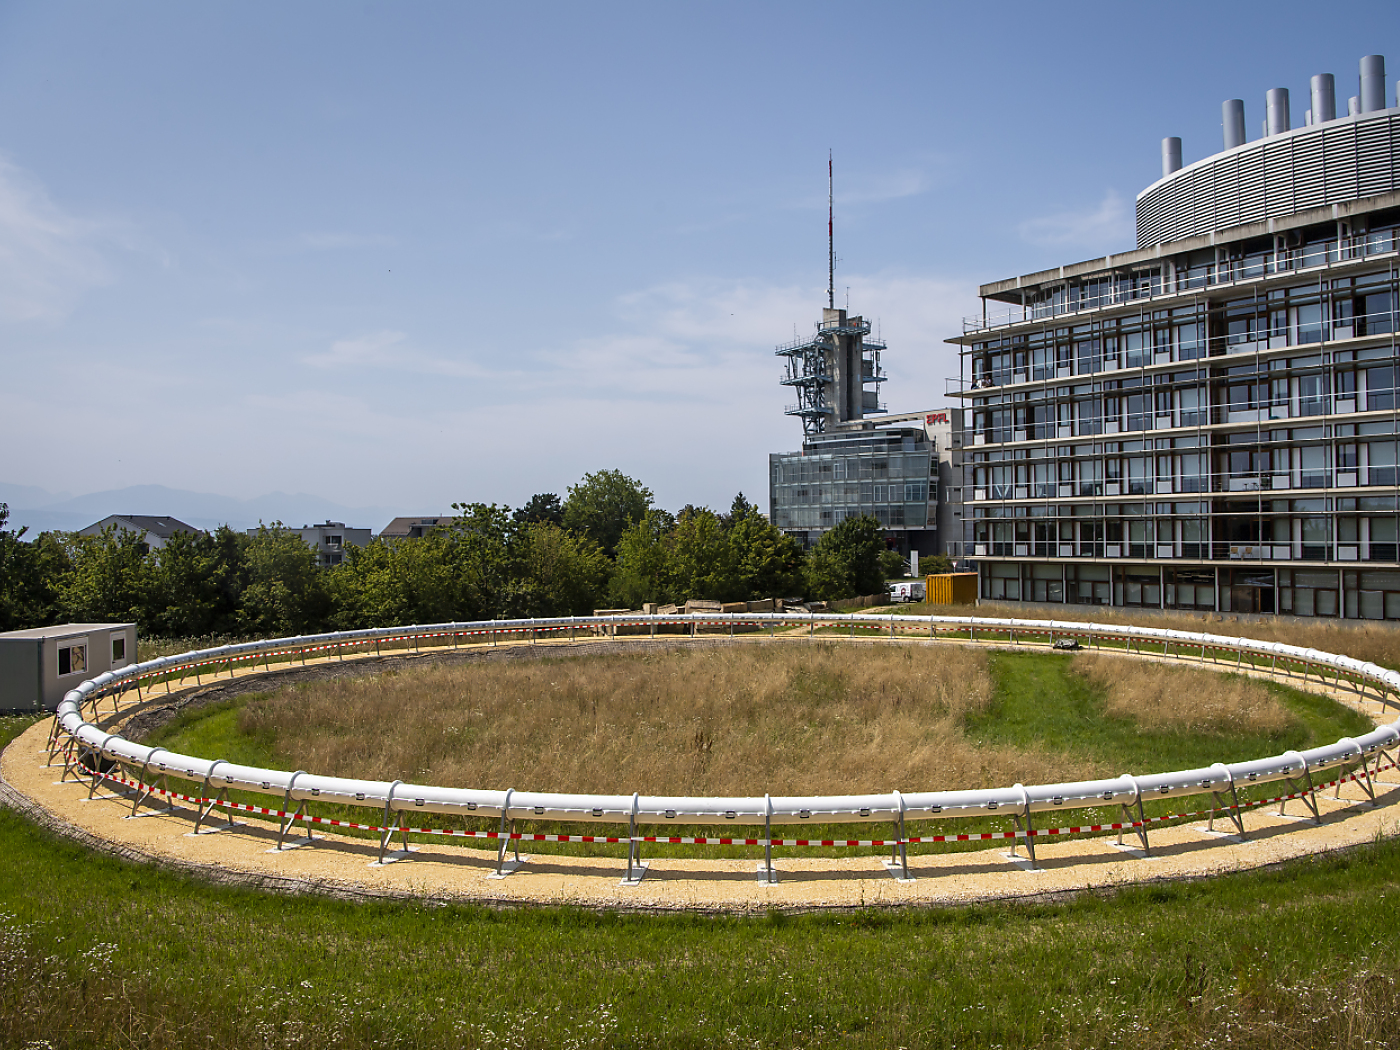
(406, 255)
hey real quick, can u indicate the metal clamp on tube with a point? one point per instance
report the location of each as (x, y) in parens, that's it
(769, 876)
(901, 840)
(505, 835)
(1362, 778)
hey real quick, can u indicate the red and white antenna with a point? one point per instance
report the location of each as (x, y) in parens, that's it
(830, 236)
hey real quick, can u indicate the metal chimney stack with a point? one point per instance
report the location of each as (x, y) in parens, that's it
(1354, 106)
(1232, 111)
(1276, 106)
(1171, 155)
(1324, 98)
(1372, 83)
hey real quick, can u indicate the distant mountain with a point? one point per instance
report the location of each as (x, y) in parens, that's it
(46, 511)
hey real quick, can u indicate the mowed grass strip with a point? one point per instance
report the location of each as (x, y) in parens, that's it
(96, 952)
(819, 719)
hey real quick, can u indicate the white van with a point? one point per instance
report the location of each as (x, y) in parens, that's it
(907, 591)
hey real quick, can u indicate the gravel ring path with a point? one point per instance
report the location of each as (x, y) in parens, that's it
(441, 873)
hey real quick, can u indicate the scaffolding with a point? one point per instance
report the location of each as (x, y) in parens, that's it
(831, 371)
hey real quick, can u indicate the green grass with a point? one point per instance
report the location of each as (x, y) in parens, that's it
(96, 952)
(1038, 702)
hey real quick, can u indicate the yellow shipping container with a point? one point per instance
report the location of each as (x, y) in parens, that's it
(953, 588)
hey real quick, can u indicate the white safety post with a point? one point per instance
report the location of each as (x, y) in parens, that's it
(900, 853)
(769, 875)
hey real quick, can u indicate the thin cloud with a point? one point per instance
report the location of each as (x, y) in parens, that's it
(388, 350)
(1106, 226)
(48, 258)
(330, 241)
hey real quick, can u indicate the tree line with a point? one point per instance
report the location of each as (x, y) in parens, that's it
(605, 545)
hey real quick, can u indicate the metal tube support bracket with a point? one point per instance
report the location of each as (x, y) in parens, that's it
(1309, 795)
(286, 820)
(1127, 817)
(636, 867)
(897, 863)
(206, 804)
(1234, 810)
(387, 828)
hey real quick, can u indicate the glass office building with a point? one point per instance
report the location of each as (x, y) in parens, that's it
(1208, 422)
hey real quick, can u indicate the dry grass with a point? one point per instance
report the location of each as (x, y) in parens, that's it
(731, 721)
(1377, 642)
(1162, 697)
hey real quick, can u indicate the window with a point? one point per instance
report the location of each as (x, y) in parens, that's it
(72, 659)
(118, 651)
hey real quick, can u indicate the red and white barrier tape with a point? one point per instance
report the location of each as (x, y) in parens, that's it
(700, 840)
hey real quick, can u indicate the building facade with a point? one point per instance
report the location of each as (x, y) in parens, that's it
(898, 471)
(856, 459)
(1208, 422)
(329, 540)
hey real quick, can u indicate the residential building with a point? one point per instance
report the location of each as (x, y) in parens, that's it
(413, 528)
(1209, 421)
(154, 531)
(328, 540)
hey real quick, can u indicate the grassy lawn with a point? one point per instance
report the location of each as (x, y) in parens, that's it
(101, 953)
(96, 952)
(1038, 706)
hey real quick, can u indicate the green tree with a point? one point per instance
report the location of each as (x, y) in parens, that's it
(481, 560)
(390, 583)
(29, 575)
(556, 572)
(286, 592)
(196, 584)
(644, 562)
(768, 561)
(543, 506)
(604, 505)
(110, 579)
(892, 565)
(935, 565)
(702, 560)
(846, 561)
(740, 509)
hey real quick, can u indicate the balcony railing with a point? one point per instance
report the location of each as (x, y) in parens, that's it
(1231, 271)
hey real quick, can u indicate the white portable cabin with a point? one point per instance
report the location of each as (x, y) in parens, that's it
(38, 666)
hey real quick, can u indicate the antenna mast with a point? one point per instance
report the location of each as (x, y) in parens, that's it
(830, 236)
